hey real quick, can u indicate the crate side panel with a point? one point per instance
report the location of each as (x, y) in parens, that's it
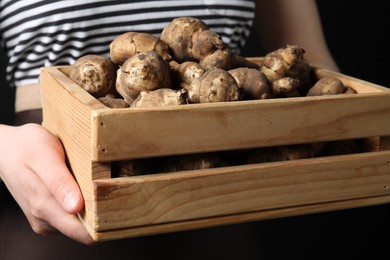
(238, 218)
(165, 198)
(137, 133)
(69, 119)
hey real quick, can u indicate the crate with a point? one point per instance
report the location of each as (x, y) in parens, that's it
(94, 136)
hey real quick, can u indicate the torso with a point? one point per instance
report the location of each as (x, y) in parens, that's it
(47, 33)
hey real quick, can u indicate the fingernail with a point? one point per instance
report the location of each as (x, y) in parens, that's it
(71, 201)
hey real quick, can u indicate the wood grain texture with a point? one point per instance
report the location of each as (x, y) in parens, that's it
(173, 197)
(238, 125)
(67, 114)
(238, 218)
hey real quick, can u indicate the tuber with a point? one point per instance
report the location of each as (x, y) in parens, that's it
(190, 39)
(285, 87)
(160, 97)
(186, 72)
(111, 101)
(288, 62)
(253, 83)
(327, 86)
(95, 74)
(222, 59)
(188, 162)
(215, 85)
(128, 44)
(144, 71)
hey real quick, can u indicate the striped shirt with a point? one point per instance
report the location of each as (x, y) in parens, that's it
(36, 33)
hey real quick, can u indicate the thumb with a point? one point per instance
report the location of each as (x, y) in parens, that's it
(49, 164)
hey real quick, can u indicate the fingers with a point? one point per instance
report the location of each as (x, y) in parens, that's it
(33, 168)
(57, 220)
(46, 215)
(48, 162)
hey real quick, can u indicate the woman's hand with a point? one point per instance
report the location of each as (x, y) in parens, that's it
(32, 165)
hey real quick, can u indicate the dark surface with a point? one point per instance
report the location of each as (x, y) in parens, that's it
(7, 95)
(358, 37)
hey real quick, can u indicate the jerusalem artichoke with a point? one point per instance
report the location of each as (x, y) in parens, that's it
(190, 39)
(183, 74)
(128, 44)
(252, 82)
(111, 101)
(215, 85)
(160, 97)
(144, 71)
(327, 86)
(288, 62)
(95, 74)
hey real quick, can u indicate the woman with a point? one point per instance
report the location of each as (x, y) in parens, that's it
(47, 33)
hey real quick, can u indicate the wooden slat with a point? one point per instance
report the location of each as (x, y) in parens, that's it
(67, 114)
(238, 125)
(164, 198)
(238, 218)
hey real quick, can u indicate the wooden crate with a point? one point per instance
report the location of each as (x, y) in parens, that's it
(94, 136)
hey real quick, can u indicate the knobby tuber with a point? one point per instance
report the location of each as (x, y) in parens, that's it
(144, 71)
(215, 85)
(288, 61)
(285, 87)
(184, 73)
(160, 98)
(327, 86)
(253, 83)
(190, 39)
(128, 44)
(111, 101)
(222, 59)
(95, 74)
